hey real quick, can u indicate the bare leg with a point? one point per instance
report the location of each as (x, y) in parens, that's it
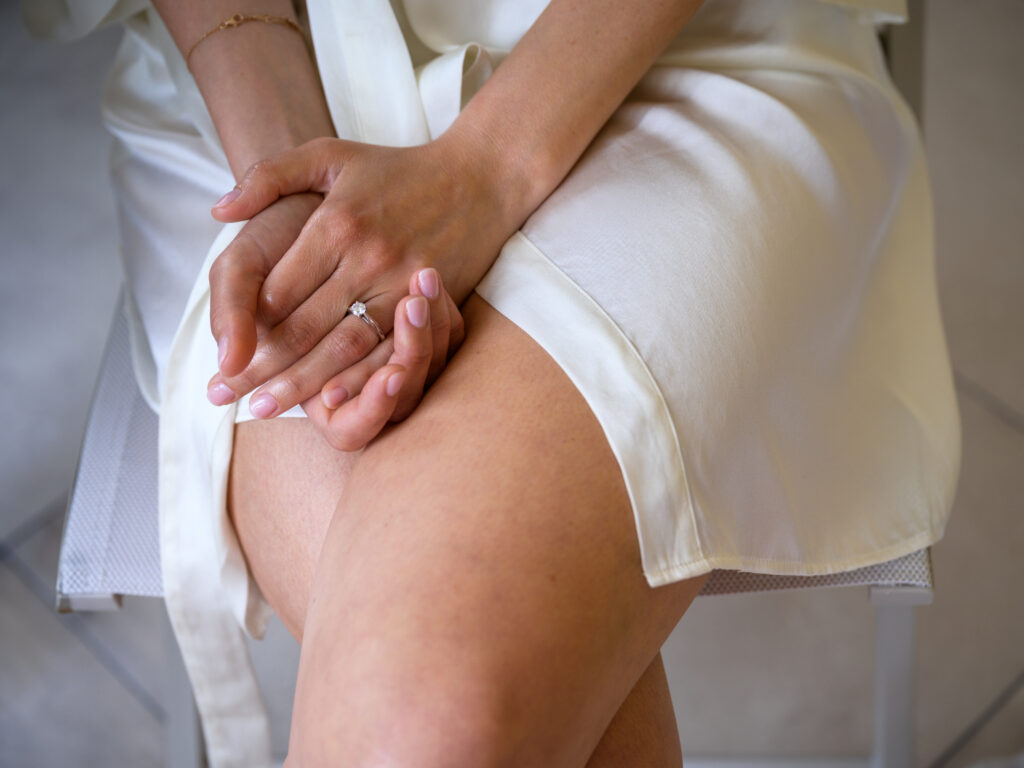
(643, 732)
(283, 532)
(478, 599)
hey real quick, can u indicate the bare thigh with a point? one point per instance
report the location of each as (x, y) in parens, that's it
(478, 598)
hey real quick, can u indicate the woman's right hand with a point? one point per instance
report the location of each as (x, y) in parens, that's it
(354, 404)
(236, 279)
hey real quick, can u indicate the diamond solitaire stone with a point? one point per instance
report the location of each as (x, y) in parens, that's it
(359, 310)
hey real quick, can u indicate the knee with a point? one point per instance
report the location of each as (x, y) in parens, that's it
(421, 729)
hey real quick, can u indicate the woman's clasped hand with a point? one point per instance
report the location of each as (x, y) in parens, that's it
(407, 231)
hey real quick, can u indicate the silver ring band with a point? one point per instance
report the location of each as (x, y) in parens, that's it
(359, 310)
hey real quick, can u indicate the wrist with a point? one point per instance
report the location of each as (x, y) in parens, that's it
(280, 130)
(262, 90)
(517, 179)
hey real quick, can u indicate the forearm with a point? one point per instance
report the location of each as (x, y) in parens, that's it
(258, 80)
(549, 98)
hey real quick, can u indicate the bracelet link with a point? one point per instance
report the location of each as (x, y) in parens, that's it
(238, 20)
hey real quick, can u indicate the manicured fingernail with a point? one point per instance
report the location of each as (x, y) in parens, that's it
(395, 383)
(230, 197)
(416, 310)
(428, 283)
(222, 350)
(334, 397)
(219, 394)
(263, 406)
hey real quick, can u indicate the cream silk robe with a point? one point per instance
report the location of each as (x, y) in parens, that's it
(738, 276)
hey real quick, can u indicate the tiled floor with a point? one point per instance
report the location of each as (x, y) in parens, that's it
(774, 675)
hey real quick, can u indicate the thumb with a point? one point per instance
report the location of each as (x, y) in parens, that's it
(311, 167)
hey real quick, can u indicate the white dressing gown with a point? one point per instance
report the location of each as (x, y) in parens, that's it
(738, 276)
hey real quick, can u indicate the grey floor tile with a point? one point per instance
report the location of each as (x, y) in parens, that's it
(59, 706)
(130, 640)
(58, 253)
(974, 133)
(971, 640)
(1000, 742)
(1005, 761)
(37, 540)
(774, 674)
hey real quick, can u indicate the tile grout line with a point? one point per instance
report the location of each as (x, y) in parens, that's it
(974, 727)
(35, 522)
(76, 625)
(1003, 411)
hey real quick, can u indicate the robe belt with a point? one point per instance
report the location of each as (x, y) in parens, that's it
(374, 96)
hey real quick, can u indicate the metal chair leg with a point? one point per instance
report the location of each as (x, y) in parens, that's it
(894, 674)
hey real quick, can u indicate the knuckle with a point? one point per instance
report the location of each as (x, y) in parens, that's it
(440, 317)
(219, 266)
(244, 382)
(287, 389)
(333, 222)
(260, 172)
(321, 144)
(420, 355)
(299, 334)
(223, 265)
(349, 345)
(239, 252)
(219, 319)
(273, 302)
(378, 251)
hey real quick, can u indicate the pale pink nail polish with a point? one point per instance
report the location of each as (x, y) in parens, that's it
(230, 197)
(222, 350)
(416, 311)
(334, 397)
(219, 394)
(428, 283)
(395, 383)
(263, 406)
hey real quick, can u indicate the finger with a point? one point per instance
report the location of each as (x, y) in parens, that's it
(312, 260)
(283, 385)
(449, 327)
(351, 381)
(310, 167)
(427, 283)
(301, 331)
(413, 351)
(409, 346)
(361, 419)
(237, 275)
(235, 280)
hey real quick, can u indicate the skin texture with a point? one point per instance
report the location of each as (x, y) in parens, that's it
(476, 596)
(446, 590)
(388, 211)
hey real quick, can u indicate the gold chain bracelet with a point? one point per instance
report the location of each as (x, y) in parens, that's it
(238, 20)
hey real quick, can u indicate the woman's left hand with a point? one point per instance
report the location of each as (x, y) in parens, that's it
(387, 213)
(386, 385)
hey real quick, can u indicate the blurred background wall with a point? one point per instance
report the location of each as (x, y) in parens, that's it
(767, 674)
